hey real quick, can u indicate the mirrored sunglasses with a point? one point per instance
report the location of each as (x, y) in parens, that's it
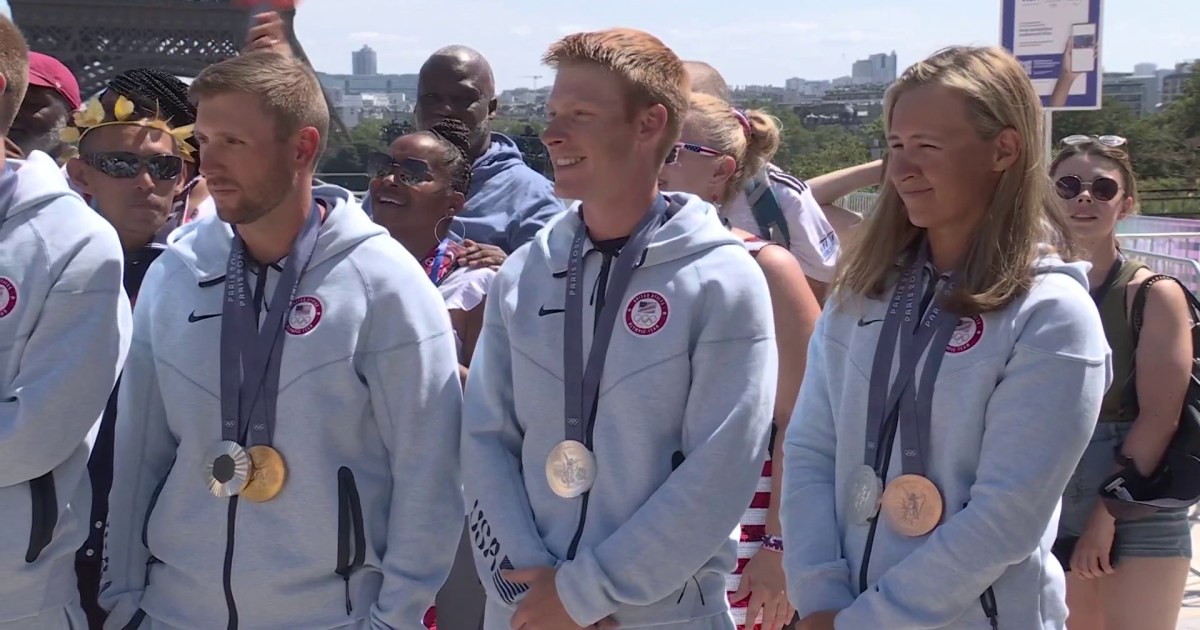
(1102, 188)
(408, 171)
(123, 165)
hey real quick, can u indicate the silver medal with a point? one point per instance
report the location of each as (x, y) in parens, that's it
(863, 494)
(227, 469)
(570, 469)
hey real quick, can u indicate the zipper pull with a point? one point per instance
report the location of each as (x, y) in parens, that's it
(349, 608)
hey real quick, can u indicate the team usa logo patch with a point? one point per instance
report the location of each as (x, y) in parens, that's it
(966, 335)
(304, 316)
(647, 313)
(8, 296)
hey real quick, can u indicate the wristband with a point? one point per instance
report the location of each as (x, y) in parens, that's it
(773, 543)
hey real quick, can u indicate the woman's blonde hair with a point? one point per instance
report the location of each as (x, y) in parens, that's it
(751, 138)
(1020, 219)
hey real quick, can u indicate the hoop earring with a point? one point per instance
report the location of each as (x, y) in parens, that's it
(437, 227)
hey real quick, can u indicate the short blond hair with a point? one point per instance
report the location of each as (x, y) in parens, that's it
(14, 65)
(287, 88)
(652, 72)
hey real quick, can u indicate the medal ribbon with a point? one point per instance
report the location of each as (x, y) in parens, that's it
(583, 386)
(911, 405)
(439, 262)
(250, 357)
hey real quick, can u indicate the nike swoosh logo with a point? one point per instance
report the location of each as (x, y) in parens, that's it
(543, 311)
(193, 318)
(862, 323)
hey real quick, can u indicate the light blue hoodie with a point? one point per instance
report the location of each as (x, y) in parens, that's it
(368, 423)
(1014, 406)
(64, 331)
(508, 202)
(679, 436)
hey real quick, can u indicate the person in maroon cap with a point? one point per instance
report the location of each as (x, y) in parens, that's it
(53, 95)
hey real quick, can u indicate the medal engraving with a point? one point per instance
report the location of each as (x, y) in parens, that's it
(227, 469)
(913, 505)
(267, 474)
(863, 494)
(570, 469)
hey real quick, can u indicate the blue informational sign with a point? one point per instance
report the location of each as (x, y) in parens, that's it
(1058, 42)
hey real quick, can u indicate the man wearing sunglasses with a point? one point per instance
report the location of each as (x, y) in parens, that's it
(130, 168)
(64, 330)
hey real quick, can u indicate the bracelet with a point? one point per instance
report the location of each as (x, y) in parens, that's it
(773, 543)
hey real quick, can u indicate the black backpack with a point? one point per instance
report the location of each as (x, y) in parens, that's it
(1187, 436)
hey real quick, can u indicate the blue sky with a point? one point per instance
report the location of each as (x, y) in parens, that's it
(765, 41)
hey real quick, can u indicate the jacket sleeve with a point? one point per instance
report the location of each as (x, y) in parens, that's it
(411, 369)
(818, 576)
(1037, 424)
(726, 424)
(143, 454)
(535, 207)
(68, 366)
(502, 532)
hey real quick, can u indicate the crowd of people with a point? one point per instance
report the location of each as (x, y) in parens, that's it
(232, 395)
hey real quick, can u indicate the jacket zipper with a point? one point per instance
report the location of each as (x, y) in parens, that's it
(231, 520)
(886, 431)
(597, 307)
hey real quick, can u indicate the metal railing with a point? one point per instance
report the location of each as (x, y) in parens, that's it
(1184, 269)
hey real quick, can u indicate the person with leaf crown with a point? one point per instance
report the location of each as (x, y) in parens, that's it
(131, 167)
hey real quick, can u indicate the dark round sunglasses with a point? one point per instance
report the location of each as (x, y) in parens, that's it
(122, 165)
(1102, 188)
(409, 171)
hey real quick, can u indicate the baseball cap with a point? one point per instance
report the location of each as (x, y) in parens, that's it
(46, 71)
(1174, 486)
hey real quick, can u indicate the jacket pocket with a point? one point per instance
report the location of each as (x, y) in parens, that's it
(352, 539)
(153, 503)
(137, 620)
(43, 515)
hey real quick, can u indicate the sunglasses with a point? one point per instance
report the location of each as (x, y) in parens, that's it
(673, 156)
(409, 171)
(1108, 141)
(122, 165)
(1102, 188)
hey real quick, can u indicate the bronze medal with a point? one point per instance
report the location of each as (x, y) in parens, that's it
(913, 505)
(267, 474)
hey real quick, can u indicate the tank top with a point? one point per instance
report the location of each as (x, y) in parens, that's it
(1120, 401)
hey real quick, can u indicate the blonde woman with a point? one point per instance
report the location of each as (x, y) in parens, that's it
(719, 149)
(1123, 574)
(921, 488)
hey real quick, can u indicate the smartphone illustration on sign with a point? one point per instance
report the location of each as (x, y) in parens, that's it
(1083, 48)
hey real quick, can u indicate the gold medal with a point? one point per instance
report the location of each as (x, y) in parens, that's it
(913, 505)
(267, 474)
(570, 469)
(226, 469)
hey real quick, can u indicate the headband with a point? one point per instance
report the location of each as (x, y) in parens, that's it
(93, 117)
(737, 113)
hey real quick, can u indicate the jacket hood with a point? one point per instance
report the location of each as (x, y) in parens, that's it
(38, 179)
(692, 226)
(204, 245)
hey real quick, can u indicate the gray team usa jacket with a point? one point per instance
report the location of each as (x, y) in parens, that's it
(365, 529)
(680, 430)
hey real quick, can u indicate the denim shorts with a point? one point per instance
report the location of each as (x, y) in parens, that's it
(1164, 534)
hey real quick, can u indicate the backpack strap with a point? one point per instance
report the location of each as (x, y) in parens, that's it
(1138, 312)
(772, 225)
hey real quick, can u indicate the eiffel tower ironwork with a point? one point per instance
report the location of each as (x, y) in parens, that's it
(99, 39)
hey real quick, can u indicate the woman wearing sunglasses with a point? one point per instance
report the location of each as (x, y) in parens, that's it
(720, 148)
(416, 190)
(953, 380)
(1124, 574)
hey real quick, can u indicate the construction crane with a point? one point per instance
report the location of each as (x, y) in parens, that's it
(535, 78)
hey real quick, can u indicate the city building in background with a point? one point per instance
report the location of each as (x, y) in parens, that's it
(365, 62)
(879, 69)
(1139, 93)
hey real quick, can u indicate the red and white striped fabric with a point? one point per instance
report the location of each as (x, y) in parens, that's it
(754, 521)
(753, 527)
